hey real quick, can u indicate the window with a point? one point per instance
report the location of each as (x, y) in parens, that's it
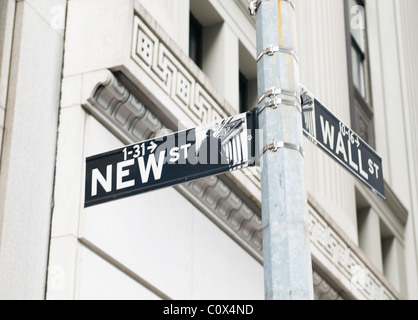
(195, 41)
(379, 238)
(243, 89)
(227, 62)
(247, 79)
(360, 92)
(358, 45)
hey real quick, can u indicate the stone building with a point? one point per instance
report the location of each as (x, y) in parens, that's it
(81, 77)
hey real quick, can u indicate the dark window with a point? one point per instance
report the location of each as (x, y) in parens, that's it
(195, 41)
(243, 89)
(358, 46)
(360, 93)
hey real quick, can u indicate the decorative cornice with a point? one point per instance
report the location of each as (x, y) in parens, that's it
(323, 290)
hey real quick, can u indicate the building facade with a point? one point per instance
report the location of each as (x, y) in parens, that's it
(82, 77)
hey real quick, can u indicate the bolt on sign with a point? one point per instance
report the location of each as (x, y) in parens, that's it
(341, 143)
(172, 159)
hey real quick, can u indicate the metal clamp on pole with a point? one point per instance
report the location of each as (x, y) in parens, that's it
(276, 145)
(272, 92)
(270, 50)
(273, 103)
(276, 100)
(275, 92)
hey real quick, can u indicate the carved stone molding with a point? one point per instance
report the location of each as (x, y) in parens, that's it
(114, 105)
(323, 290)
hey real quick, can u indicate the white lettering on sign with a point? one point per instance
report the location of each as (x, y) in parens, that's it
(350, 158)
(185, 148)
(360, 163)
(123, 171)
(157, 168)
(97, 177)
(327, 133)
(340, 146)
(175, 153)
(336, 142)
(374, 167)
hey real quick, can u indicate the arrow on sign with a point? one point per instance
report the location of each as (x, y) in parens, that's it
(152, 147)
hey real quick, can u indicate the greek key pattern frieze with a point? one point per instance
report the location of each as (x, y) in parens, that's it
(332, 246)
(173, 78)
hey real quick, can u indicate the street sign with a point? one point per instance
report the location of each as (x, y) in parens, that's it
(175, 158)
(341, 143)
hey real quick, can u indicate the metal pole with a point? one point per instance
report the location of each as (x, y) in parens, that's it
(287, 258)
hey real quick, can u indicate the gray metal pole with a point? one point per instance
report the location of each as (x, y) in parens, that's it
(287, 258)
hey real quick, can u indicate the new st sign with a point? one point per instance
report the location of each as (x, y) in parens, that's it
(341, 143)
(168, 160)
